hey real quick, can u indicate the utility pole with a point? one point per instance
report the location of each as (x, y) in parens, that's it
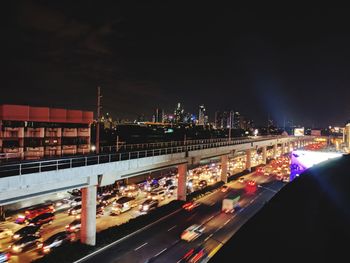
(98, 120)
(229, 129)
(268, 122)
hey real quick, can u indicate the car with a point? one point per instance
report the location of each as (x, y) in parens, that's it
(171, 189)
(107, 199)
(74, 226)
(75, 192)
(100, 208)
(241, 179)
(279, 177)
(148, 205)
(62, 202)
(74, 201)
(99, 211)
(157, 195)
(25, 243)
(192, 232)
(251, 183)
(169, 182)
(195, 255)
(26, 231)
(202, 184)
(4, 257)
(55, 241)
(5, 233)
(131, 193)
(123, 204)
(74, 210)
(189, 206)
(45, 218)
(224, 188)
(34, 211)
(285, 179)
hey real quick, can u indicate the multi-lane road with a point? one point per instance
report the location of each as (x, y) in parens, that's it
(162, 243)
(105, 221)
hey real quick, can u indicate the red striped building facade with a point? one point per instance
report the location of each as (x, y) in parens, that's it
(37, 132)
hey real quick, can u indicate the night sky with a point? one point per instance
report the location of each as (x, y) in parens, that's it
(289, 62)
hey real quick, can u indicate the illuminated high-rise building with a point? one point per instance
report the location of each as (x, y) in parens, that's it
(179, 113)
(201, 115)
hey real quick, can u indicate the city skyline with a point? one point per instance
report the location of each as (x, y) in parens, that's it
(263, 63)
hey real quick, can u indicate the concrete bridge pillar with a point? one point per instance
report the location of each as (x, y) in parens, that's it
(274, 151)
(282, 148)
(248, 162)
(88, 215)
(264, 156)
(181, 182)
(224, 160)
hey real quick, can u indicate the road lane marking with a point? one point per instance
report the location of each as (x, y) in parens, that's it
(212, 204)
(210, 218)
(140, 246)
(171, 228)
(227, 222)
(212, 253)
(156, 255)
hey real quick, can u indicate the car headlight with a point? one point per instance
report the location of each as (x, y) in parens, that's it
(46, 249)
(145, 207)
(16, 236)
(15, 248)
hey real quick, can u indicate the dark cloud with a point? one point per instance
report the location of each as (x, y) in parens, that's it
(290, 63)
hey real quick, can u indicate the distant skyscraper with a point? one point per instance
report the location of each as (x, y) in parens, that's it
(227, 119)
(201, 115)
(158, 115)
(237, 120)
(179, 113)
(206, 119)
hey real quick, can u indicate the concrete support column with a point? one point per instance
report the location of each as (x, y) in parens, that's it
(274, 151)
(181, 182)
(88, 215)
(2, 214)
(224, 160)
(264, 155)
(282, 148)
(248, 162)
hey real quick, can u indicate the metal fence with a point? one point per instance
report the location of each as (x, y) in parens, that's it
(66, 163)
(157, 145)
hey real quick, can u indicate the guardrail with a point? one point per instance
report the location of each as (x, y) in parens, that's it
(58, 164)
(140, 146)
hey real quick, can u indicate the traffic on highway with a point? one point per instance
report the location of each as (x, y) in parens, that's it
(37, 230)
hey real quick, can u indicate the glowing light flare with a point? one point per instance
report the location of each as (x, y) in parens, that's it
(309, 158)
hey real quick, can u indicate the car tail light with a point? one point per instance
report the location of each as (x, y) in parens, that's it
(189, 253)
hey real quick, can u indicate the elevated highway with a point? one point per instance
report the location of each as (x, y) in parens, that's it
(24, 180)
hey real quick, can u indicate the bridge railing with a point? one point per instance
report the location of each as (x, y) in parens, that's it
(140, 146)
(66, 163)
